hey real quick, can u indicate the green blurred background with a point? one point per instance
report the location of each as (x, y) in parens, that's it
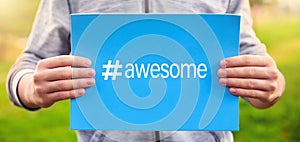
(276, 22)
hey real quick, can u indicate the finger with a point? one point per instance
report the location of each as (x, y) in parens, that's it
(66, 85)
(64, 60)
(63, 95)
(60, 73)
(252, 84)
(248, 72)
(83, 73)
(65, 73)
(245, 60)
(256, 94)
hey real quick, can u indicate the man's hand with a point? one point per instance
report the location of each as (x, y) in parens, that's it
(253, 77)
(57, 78)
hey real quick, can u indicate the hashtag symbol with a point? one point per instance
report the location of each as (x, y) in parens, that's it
(108, 71)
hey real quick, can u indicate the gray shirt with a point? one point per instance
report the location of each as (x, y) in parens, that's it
(50, 37)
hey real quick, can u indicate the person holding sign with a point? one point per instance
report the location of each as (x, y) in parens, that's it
(45, 73)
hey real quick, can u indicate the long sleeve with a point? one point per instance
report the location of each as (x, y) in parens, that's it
(49, 37)
(249, 43)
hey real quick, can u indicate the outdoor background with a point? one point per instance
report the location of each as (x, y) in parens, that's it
(277, 24)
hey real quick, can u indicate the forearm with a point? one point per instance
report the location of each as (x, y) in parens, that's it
(49, 37)
(24, 65)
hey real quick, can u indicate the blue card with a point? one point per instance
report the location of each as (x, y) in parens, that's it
(155, 71)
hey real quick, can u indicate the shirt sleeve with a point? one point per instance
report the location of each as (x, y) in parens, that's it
(249, 43)
(49, 37)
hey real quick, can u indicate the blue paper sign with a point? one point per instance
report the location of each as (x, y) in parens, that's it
(155, 71)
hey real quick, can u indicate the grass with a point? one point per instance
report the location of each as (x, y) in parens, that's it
(279, 123)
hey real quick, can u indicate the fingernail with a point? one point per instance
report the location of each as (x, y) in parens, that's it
(80, 92)
(91, 73)
(223, 81)
(233, 90)
(223, 64)
(91, 82)
(222, 72)
(88, 62)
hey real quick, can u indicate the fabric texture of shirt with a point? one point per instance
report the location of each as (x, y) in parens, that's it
(50, 37)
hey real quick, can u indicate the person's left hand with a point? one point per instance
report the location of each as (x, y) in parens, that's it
(254, 77)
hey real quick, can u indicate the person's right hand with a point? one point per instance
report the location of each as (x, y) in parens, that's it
(56, 78)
